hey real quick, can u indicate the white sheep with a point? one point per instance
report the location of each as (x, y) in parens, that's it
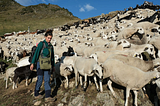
(62, 69)
(87, 67)
(129, 32)
(141, 48)
(136, 62)
(23, 62)
(101, 56)
(9, 74)
(126, 75)
(146, 25)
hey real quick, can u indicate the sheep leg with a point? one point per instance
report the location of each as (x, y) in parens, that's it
(90, 83)
(101, 87)
(144, 92)
(135, 99)
(13, 85)
(81, 82)
(110, 87)
(27, 81)
(16, 84)
(67, 82)
(127, 95)
(6, 82)
(85, 82)
(10, 79)
(95, 80)
(76, 78)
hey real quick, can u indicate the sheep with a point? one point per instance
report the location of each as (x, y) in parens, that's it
(129, 32)
(101, 56)
(136, 62)
(19, 72)
(141, 48)
(146, 25)
(126, 75)
(9, 74)
(87, 67)
(155, 41)
(62, 69)
(70, 52)
(118, 45)
(23, 62)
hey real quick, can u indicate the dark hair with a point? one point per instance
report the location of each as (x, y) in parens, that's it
(48, 32)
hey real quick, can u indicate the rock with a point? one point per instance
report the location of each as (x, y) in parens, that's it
(76, 101)
(37, 103)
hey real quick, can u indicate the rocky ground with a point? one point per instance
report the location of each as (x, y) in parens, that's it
(23, 96)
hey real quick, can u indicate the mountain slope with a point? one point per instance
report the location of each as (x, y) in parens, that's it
(15, 17)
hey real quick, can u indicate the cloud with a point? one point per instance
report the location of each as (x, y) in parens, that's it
(82, 9)
(86, 7)
(89, 7)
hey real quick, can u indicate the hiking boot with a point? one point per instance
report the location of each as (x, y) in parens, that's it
(39, 97)
(50, 99)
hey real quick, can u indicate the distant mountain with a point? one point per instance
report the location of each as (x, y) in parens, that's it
(8, 5)
(15, 17)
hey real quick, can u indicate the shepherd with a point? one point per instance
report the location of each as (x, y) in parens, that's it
(44, 57)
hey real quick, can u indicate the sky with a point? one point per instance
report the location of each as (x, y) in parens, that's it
(84, 9)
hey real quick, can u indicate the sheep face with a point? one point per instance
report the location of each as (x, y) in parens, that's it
(124, 43)
(140, 31)
(69, 68)
(150, 50)
(98, 71)
(137, 55)
(94, 56)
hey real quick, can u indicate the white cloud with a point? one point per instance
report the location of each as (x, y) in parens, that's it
(86, 7)
(89, 7)
(81, 9)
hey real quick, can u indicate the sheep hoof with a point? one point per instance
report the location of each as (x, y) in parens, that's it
(98, 90)
(84, 89)
(76, 87)
(81, 86)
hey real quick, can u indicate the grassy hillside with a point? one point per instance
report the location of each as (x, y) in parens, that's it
(15, 17)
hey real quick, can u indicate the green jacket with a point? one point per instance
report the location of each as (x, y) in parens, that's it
(44, 53)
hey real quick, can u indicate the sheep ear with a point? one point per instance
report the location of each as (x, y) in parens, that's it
(119, 43)
(71, 65)
(101, 65)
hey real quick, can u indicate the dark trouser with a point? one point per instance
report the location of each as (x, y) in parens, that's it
(40, 74)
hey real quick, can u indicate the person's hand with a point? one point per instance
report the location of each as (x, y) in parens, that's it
(31, 67)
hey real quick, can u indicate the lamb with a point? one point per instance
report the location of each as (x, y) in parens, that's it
(19, 72)
(87, 67)
(9, 74)
(62, 69)
(128, 76)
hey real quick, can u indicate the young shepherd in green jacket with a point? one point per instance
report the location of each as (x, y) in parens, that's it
(44, 51)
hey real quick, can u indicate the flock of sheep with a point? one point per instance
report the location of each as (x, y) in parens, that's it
(125, 49)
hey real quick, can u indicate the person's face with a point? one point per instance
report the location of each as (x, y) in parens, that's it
(48, 38)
